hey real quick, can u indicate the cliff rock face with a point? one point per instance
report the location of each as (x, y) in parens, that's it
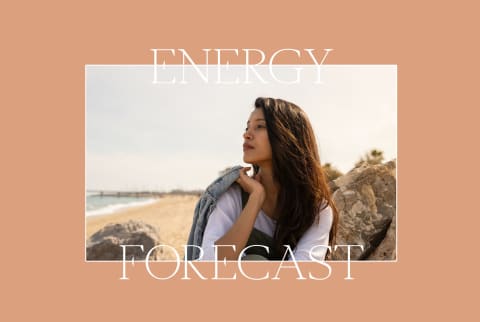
(366, 201)
(105, 243)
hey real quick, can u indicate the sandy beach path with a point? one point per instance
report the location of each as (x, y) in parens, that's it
(171, 215)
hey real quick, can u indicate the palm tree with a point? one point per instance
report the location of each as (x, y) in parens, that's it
(373, 157)
(331, 172)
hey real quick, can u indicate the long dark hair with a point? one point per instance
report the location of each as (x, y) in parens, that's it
(303, 190)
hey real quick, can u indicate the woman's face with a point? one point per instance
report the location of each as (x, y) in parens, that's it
(256, 147)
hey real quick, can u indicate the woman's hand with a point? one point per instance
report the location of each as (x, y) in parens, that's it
(251, 185)
(240, 231)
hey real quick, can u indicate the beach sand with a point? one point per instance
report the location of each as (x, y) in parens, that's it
(171, 215)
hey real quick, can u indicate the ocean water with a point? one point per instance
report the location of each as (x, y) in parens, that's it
(103, 205)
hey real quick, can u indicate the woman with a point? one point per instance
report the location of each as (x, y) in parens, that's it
(288, 200)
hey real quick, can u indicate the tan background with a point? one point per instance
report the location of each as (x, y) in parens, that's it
(45, 46)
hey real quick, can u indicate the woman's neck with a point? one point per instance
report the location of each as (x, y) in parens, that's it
(270, 186)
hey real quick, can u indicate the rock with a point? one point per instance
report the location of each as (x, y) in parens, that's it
(105, 243)
(387, 249)
(366, 201)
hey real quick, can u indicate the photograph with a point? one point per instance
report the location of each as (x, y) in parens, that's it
(231, 162)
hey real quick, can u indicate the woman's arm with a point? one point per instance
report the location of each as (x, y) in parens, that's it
(240, 231)
(315, 240)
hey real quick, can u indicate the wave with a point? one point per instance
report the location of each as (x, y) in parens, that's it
(112, 208)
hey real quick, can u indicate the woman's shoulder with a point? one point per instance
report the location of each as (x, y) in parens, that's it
(231, 199)
(234, 191)
(325, 217)
(326, 210)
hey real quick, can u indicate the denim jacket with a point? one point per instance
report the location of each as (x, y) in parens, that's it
(205, 205)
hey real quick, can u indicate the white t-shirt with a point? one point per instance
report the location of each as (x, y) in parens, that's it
(228, 209)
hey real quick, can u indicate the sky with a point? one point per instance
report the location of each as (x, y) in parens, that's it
(146, 135)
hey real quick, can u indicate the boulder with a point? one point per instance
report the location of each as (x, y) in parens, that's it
(387, 249)
(105, 243)
(366, 202)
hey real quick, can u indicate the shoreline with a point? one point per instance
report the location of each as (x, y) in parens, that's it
(120, 207)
